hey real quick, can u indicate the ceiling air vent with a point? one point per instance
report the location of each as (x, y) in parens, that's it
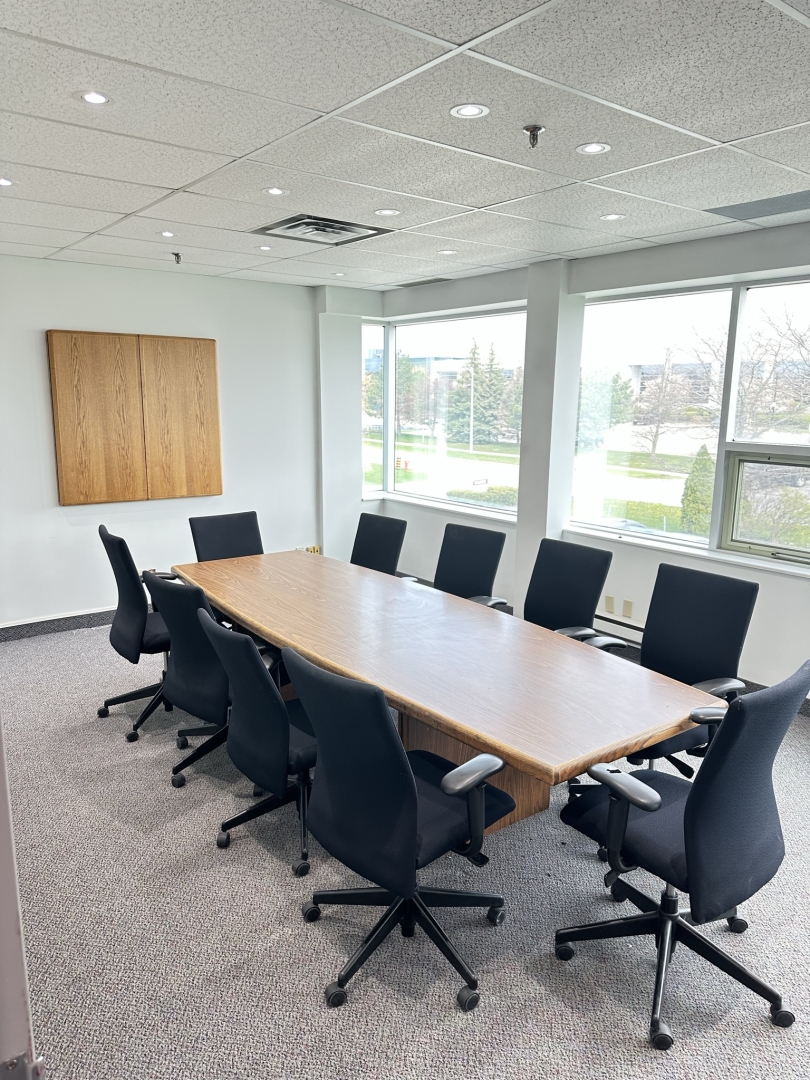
(318, 230)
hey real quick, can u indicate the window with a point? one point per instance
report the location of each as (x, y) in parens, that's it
(458, 401)
(650, 402)
(373, 348)
(769, 508)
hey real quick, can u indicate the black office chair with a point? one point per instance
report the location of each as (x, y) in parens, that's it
(385, 814)
(268, 739)
(718, 839)
(195, 679)
(136, 631)
(226, 536)
(378, 542)
(694, 633)
(468, 563)
(565, 587)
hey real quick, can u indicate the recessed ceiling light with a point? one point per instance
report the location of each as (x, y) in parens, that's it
(273, 191)
(5, 182)
(612, 217)
(448, 251)
(264, 247)
(338, 275)
(593, 148)
(93, 97)
(469, 112)
(167, 233)
(386, 213)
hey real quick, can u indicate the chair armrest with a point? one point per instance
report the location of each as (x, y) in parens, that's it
(487, 601)
(469, 775)
(720, 687)
(604, 641)
(626, 786)
(707, 714)
(167, 575)
(407, 577)
(578, 632)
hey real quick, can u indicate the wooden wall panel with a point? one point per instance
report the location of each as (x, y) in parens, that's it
(181, 416)
(98, 417)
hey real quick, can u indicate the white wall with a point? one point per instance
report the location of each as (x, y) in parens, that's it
(51, 560)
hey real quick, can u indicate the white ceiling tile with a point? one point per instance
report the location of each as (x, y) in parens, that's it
(118, 245)
(184, 206)
(30, 234)
(791, 147)
(28, 251)
(358, 154)
(310, 53)
(512, 232)
(305, 268)
(110, 259)
(796, 217)
(457, 22)
(199, 236)
(582, 205)
(148, 104)
(280, 279)
(51, 216)
(703, 234)
(725, 69)
(466, 253)
(717, 177)
(52, 145)
(72, 189)
(421, 106)
(308, 194)
(802, 6)
(605, 249)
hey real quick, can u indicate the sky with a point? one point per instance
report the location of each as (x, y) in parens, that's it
(455, 337)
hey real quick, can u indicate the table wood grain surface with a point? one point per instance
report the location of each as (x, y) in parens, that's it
(546, 704)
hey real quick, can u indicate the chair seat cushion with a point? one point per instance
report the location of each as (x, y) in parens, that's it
(441, 820)
(303, 747)
(155, 635)
(654, 841)
(686, 740)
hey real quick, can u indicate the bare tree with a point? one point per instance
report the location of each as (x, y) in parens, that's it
(661, 403)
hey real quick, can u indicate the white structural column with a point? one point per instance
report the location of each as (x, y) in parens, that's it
(550, 395)
(341, 452)
(16, 1039)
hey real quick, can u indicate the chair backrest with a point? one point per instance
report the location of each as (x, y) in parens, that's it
(696, 624)
(129, 621)
(566, 584)
(363, 804)
(258, 727)
(468, 560)
(226, 536)
(378, 542)
(195, 679)
(732, 832)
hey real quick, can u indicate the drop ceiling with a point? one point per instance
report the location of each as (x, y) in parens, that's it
(345, 107)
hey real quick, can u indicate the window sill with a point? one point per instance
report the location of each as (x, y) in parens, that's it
(443, 506)
(728, 558)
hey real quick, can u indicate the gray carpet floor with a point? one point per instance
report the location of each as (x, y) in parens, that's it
(153, 955)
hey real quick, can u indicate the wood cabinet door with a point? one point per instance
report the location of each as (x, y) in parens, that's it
(181, 416)
(98, 417)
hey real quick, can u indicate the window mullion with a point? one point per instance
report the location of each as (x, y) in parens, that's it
(728, 404)
(389, 406)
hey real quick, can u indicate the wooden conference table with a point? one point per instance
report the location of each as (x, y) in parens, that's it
(464, 678)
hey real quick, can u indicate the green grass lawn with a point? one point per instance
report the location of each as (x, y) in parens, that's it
(373, 476)
(640, 459)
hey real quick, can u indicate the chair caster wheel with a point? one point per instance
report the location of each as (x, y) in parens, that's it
(103, 711)
(167, 705)
(181, 742)
(564, 951)
(223, 839)
(781, 1017)
(131, 736)
(617, 892)
(737, 925)
(300, 868)
(312, 913)
(497, 916)
(602, 853)
(467, 999)
(257, 791)
(661, 1038)
(178, 780)
(408, 927)
(335, 995)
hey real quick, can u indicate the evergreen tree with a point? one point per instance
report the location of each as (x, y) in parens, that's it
(466, 391)
(696, 502)
(622, 400)
(490, 401)
(511, 416)
(373, 393)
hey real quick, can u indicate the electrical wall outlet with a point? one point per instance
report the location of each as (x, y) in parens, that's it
(610, 604)
(627, 609)
(313, 549)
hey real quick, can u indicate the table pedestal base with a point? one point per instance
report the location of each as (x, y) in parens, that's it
(530, 794)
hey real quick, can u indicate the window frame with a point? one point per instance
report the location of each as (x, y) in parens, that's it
(388, 489)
